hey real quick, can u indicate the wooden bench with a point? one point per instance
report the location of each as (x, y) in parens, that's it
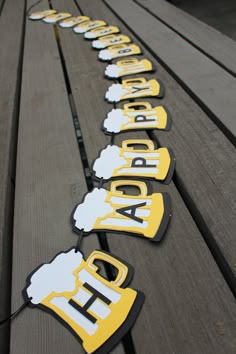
(189, 278)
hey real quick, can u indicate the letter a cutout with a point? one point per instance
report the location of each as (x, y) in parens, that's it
(124, 211)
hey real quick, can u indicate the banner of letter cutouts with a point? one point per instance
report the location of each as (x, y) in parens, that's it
(98, 311)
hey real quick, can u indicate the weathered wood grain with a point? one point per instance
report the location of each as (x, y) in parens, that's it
(210, 41)
(208, 83)
(188, 302)
(49, 182)
(11, 31)
(205, 169)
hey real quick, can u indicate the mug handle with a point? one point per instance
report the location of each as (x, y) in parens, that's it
(140, 184)
(138, 80)
(132, 105)
(123, 270)
(147, 142)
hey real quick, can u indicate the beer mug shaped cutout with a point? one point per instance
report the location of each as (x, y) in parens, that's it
(144, 215)
(119, 50)
(110, 40)
(136, 116)
(57, 17)
(39, 15)
(130, 160)
(98, 311)
(73, 21)
(128, 67)
(87, 26)
(101, 31)
(134, 88)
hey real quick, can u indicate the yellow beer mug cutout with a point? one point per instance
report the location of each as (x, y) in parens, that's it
(98, 311)
(87, 26)
(119, 50)
(73, 21)
(136, 116)
(57, 17)
(131, 160)
(39, 15)
(101, 31)
(110, 40)
(134, 88)
(128, 67)
(146, 215)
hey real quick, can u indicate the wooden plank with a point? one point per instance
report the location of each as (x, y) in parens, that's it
(188, 302)
(11, 30)
(211, 42)
(49, 183)
(205, 167)
(208, 83)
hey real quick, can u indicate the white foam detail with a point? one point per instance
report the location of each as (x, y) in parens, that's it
(113, 70)
(90, 35)
(94, 206)
(105, 54)
(56, 276)
(114, 121)
(98, 44)
(108, 161)
(79, 29)
(115, 92)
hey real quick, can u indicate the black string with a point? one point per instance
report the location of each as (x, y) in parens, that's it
(80, 238)
(112, 138)
(100, 183)
(14, 314)
(30, 8)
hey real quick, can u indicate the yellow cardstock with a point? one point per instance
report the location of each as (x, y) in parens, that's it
(73, 21)
(131, 160)
(98, 311)
(110, 40)
(136, 116)
(134, 88)
(101, 31)
(128, 67)
(119, 50)
(145, 214)
(57, 17)
(89, 25)
(39, 15)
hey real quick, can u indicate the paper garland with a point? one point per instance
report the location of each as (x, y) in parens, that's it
(136, 116)
(101, 31)
(97, 311)
(110, 40)
(145, 215)
(134, 88)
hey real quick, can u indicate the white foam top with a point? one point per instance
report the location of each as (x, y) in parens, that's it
(105, 54)
(94, 206)
(113, 70)
(108, 161)
(98, 44)
(90, 35)
(114, 93)
(115, 119)
(56, 276)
